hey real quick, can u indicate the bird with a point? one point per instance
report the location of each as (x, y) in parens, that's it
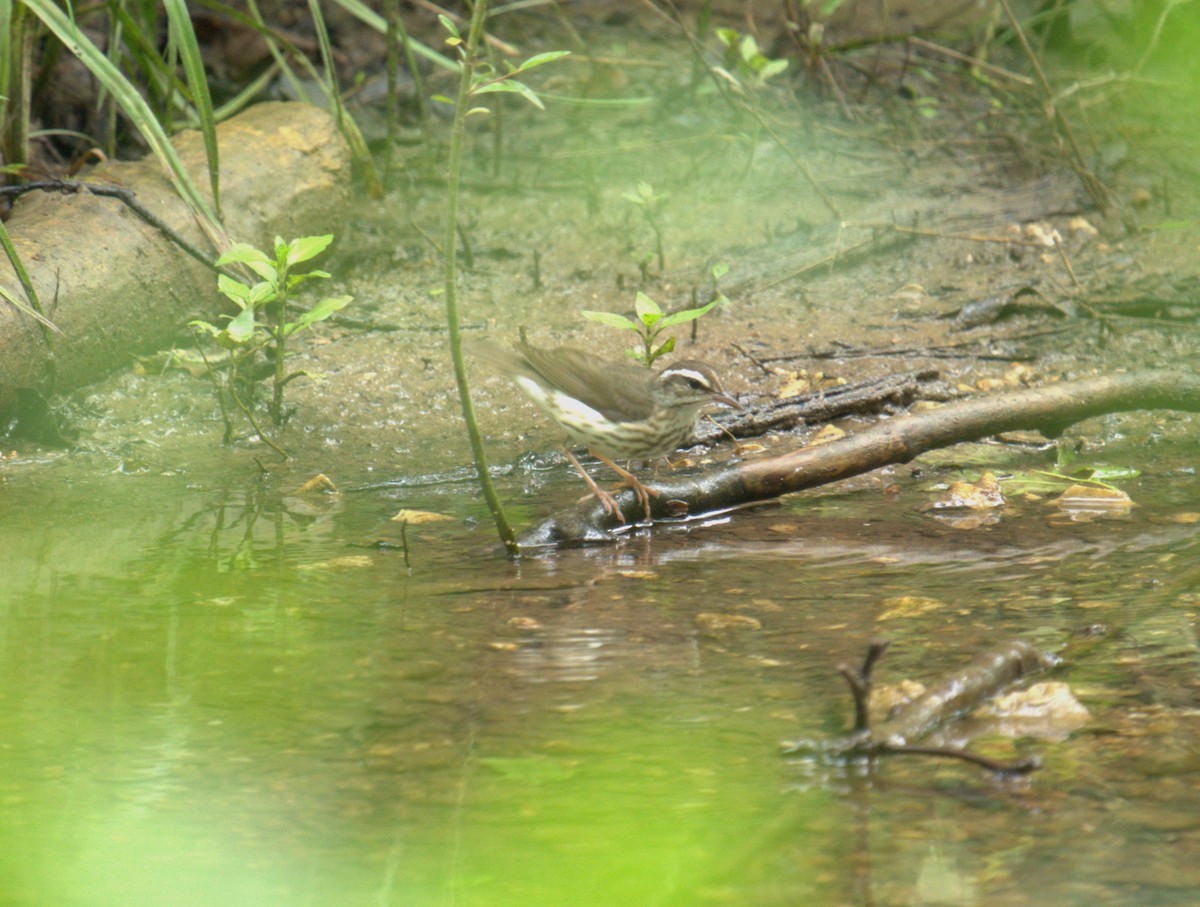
(616, 410)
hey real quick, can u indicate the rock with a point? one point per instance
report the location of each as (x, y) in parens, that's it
(115, 285)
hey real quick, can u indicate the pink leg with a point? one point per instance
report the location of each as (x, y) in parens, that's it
(609, 503)
(640, 491)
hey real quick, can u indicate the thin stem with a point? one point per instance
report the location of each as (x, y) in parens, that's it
(1099, 192)
(280, 344)
(220, 391)
(450, 248)
(257, 428)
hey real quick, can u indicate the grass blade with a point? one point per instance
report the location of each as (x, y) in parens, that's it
(34, 310)
(193, 66)
(132, 103)
(360, 11)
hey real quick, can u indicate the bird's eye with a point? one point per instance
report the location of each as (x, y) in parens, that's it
(695, 384)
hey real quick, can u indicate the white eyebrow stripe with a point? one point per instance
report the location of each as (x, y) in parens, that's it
(689, 373)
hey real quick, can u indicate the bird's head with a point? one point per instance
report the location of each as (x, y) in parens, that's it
(690, 384)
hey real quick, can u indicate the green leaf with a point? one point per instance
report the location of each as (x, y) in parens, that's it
(448, 24)
(307, 247)
(719, 270)
(668, 345)
(727, 36)
(748, 48)
(262, 293)
(264, 269)
(242, 253)
(686, 315)
(234, 289)
(318, 312)
(205, 327)
(241, 328)
(647, 310)
(541, 59)
(772, 68)
(611, 319)
(295, 280)
(511, 85)
(32, 308)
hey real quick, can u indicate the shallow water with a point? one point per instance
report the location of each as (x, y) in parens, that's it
(215, 690)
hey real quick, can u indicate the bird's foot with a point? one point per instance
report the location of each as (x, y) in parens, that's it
(643, 493)
(607, 501)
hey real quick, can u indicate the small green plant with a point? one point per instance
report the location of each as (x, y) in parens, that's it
(650, 203)
(652, 321)
(485, 78)
(261, 324)
(744, 59)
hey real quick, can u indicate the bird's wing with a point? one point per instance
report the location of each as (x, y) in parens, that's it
(619, 390)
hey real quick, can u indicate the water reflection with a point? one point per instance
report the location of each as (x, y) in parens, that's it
(227, 694)
(563, 655)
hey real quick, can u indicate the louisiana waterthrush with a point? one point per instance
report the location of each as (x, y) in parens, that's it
(617, 410)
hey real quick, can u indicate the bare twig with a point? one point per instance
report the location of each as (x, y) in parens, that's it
(973, 61)
(1099, 192)
(958, 693)
(128, 197)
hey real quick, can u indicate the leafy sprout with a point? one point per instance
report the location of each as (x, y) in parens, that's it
(650, 321)
(261, 322)
(486, 79)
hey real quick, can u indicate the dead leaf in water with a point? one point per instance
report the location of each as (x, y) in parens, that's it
(713, 622)
(794, 384)
(909, 606)
(1047, 711)
(888, 697)
(982, 495)
(525, 623)
(1081, 227)
(1043, 234)
(1085, 503)
(968, 520)
(1182, 519)
(319, 482)
(355, 561)
(416, 517)
(825, 435)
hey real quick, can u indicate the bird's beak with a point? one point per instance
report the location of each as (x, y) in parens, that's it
(726, 400)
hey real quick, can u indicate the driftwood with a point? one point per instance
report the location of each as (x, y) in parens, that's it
(865, 397)
(1050, 409)
(981, 680)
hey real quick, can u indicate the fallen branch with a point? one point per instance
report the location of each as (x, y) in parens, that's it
(1048, 409)
(861, 398)
(981, 680)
